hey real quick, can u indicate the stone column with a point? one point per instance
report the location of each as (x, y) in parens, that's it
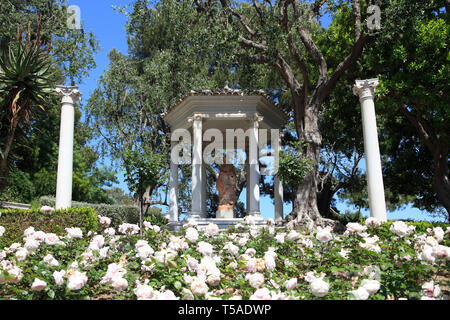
(254, 167)
(173, 187)
(196, 209)
(69, 95)
(247, 198)
(365, 89)
(277, 184)
(203, 215)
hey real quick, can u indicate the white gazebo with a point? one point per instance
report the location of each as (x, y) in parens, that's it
(211, 118)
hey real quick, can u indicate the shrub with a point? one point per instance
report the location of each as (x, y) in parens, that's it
(117, 213)
(157, 219)
(16, 221)
(19, 189)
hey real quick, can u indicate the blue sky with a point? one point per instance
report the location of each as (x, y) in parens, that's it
(108, 26)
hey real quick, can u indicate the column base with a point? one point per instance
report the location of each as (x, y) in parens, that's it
(256, 215)
(195, 216)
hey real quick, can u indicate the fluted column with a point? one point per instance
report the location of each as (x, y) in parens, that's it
(196, 210)
(173, 186)
(69, 95)
(277, 184)
(254, 167)
(365, 89)
(203, 215)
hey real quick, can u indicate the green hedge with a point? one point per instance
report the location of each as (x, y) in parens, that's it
(118, 213)
(16, 221)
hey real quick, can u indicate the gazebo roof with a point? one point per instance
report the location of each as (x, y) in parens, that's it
(212, 99)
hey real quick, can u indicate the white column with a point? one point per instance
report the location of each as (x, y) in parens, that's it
(365, 89)
(69, 95)
(277, 184)
(203, 190)
(247, 199)
(173, 187)
(254, 167)
(196, 209)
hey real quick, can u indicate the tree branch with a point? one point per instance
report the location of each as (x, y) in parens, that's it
(301, 63)
(356, 51)
(310, 46)
(252, 44)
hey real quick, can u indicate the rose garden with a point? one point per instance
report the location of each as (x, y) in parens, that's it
(372, 260)
(221, 117)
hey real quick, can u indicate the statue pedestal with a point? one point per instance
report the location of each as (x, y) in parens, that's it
(225, 212)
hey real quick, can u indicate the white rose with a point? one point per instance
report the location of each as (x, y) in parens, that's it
(119, 283)
(319, 287)
(324, 235)
(110, 232)
(431, 241)
(39, 235)
(310, 277)
(103, 252)
(191, 234)
(293, 235)
(2, 230)
(145, 251)
(187, 294)
(212, 229)
(74, 233)
(145, 292)
(192, 264)
(28, 232)
(232, 248)
(360, 294)
(372, 286)
(290, 284)
(59, 277)
(255, 280)
(269, 262)
(400, 228)
(205, 248)
(355, 227)
(31, 244)
(261, 294)
(199, 287)
(51, 239)
(213, 280)
(38, 285)
(77, 281)
(374, 222)
(280, 237)
(167, 295)
(21, 254)
(427, 254)
(16, 274)
(47, 209)
(51, 260)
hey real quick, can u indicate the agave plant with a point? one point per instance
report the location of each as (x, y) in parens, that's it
(27, 77)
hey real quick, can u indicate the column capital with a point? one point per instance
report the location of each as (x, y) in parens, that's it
(365, 88)
(195, 117)
(255, 119)
(68, 94)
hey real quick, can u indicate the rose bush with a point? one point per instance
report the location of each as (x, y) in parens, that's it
(371, 260)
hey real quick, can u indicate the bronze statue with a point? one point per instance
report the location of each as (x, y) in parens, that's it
(226, 186)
